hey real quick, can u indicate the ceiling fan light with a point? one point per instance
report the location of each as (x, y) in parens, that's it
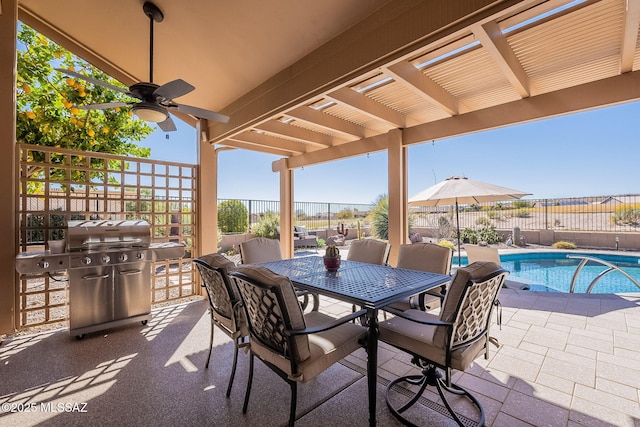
(150, 112)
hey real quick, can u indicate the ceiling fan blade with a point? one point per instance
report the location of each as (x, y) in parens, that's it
(94, 81)
(168, 125)
(173, 89)
(103, 106)
(201, 113)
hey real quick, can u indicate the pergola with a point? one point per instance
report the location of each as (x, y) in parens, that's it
(319, 81)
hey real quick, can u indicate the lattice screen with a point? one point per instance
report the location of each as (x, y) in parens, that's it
(58, 185)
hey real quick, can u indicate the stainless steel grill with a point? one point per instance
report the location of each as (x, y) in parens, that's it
(109, 267)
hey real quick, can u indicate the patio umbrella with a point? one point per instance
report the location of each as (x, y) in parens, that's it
(462, 190)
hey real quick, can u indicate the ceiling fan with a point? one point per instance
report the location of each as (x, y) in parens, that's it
(155, 101)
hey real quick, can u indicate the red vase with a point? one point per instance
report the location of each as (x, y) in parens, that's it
(332, 264)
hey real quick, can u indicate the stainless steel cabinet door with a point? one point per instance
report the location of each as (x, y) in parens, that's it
(90, 296)
(132, 290)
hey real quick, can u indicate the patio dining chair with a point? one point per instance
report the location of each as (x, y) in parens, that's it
(424, 257)
(262, 249)
(452, 340)
(481, 253)
(295, 345)
(485, 253)
(370, 251)
(224, 305)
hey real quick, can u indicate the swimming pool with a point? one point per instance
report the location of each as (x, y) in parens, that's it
(553, 271)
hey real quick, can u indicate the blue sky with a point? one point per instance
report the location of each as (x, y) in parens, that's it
(592, 153)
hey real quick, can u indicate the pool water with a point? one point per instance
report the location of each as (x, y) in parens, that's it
(553, 271)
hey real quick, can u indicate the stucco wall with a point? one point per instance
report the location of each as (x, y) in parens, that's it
(582, 239)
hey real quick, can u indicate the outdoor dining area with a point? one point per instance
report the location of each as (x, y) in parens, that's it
(353, 357)
(379, 332)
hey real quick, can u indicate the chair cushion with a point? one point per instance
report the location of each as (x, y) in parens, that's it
(425, 257)
(482, 253)
(326, 348)
(263, 275)
(368, 250)
(420, 340)
(260, 249)
(219, 261)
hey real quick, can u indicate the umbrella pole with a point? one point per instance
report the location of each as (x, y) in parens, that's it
(458, 225)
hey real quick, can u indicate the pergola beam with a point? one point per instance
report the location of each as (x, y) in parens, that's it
(629, 36)
(392, 32)
(300, 134)
(331, 123)
(255, 147)
(601, 93)
(496, 45)
(368, 106)
(416, 81)
(262, 139)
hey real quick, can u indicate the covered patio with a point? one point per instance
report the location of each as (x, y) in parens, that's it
(564, 360)
(314, 82)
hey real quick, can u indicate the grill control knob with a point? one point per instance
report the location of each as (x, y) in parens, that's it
(123, 257)
(140, 256)
(86, 260)
(106, 258)
(43, 264)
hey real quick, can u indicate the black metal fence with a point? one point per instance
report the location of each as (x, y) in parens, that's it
(313, 215)
(597, 214)
(601, 213)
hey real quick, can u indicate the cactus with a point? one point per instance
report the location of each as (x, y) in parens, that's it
(332, 252)
(342, 231)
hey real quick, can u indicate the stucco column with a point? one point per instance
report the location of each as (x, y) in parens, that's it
(9, 247)
(398, 209)
(286, 207)
(206, 192)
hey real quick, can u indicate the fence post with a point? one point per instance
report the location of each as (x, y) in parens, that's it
(546, 214)
(329, 216)
(250, 208)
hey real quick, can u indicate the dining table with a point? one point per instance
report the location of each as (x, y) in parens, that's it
(370, 286)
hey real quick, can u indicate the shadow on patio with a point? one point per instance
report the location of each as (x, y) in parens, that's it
(564, 361)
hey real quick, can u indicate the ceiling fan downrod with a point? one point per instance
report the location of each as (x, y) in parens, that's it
(154, 14)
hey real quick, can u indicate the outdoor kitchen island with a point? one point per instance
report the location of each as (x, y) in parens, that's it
(109, 269)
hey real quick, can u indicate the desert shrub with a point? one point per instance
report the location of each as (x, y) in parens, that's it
(522, 213)
(486, 234)
(267, 226)
(233, 217)
(447, 244)
(518, 204)
(321, 243)
(493, 214)
(345, 214)
(469, 234)
(483, 221)
(380, 218)
(625, 215)
(564, 245)
(444, 227)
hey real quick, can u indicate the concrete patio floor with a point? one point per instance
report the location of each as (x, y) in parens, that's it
(564, 360)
